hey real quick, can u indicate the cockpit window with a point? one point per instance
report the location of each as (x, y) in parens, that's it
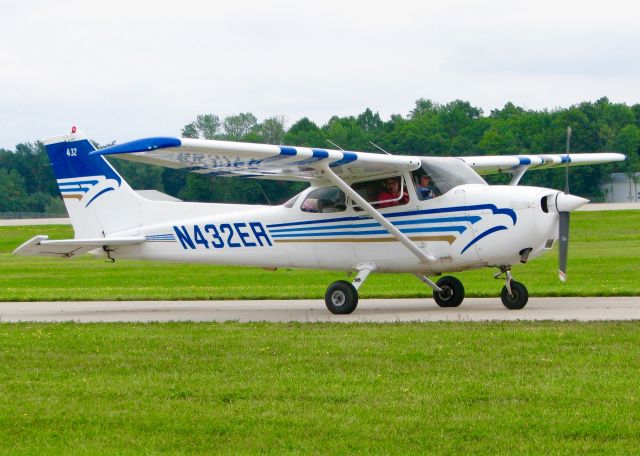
(439, 175)
(324, 200)
(381, 193)
(425, 188)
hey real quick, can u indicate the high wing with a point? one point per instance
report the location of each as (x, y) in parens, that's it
(493, 164)
(225, 158)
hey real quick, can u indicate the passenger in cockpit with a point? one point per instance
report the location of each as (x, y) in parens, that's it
(390, 196)
(424, 188)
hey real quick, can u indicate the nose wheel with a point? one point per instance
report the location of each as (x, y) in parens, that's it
(514, 295)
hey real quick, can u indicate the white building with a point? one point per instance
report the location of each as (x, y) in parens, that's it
(622, 188)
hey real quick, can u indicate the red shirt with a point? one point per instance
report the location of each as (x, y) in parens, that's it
(384, 196)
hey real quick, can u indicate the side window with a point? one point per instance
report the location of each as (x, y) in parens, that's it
(425, 188)
(324, 200)
(381, 193)
(289, 204)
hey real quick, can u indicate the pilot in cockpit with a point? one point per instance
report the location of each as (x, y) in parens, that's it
(424, 187)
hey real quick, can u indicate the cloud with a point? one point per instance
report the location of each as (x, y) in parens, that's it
(127, 69)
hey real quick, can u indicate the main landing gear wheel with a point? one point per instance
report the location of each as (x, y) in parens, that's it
(452, 292)
(341, 298)
(518, 297)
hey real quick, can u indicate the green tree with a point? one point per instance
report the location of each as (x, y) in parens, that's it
(272, 129)
(305, 133)
(238, 126)
(14, 196)
(370, 122)
(190, 130)
(208, 125)
(628, 142)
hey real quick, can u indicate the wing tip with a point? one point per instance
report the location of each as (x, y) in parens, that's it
(141, 145)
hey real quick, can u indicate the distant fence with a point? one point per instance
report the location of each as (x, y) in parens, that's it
(30, 215)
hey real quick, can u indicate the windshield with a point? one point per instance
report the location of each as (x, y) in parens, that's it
(327, 199)
(447, 173)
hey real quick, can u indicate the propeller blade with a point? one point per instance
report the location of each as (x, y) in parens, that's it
(563, 236)
(566, 168)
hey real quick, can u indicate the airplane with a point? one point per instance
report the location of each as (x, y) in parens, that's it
(362, 212)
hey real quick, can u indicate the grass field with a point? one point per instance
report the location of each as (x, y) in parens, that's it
(419, 388)
(437, 388)
(603, 261)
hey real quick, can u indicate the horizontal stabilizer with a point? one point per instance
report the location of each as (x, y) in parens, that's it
(67, 248)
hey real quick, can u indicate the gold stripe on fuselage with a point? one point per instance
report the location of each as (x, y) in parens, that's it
(78, 197)
(448, 239)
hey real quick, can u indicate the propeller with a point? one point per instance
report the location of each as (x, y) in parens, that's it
(565, 203)
(563, 225)
(563, 236)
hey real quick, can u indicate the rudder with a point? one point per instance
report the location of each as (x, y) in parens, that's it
(99, 201)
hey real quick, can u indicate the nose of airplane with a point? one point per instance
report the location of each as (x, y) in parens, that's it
(568, 203)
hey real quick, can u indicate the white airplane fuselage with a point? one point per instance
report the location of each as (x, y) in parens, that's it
(471, 226)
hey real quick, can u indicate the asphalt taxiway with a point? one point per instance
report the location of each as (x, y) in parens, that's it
(314, 310)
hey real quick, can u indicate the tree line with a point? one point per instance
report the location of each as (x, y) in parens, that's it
(453, 129)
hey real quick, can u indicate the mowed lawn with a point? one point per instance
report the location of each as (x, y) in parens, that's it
(430, 388)
(603, 261)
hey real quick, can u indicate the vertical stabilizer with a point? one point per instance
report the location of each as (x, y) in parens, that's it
(97, 198)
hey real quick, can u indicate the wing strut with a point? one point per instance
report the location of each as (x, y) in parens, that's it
(369, 209)
(517, 174)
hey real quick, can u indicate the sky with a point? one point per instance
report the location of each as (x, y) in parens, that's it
(122, 70)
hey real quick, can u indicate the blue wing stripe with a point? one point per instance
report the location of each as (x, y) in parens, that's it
(347, 157)
(285, 150)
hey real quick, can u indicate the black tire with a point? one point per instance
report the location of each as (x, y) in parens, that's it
(519, 296)
(452, 293)
(341, 298)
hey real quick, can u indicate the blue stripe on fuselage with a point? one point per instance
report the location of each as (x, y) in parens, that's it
(457, 229)
(494, 209)
(470, 219)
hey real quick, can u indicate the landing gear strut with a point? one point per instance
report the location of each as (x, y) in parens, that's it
(514, 295)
